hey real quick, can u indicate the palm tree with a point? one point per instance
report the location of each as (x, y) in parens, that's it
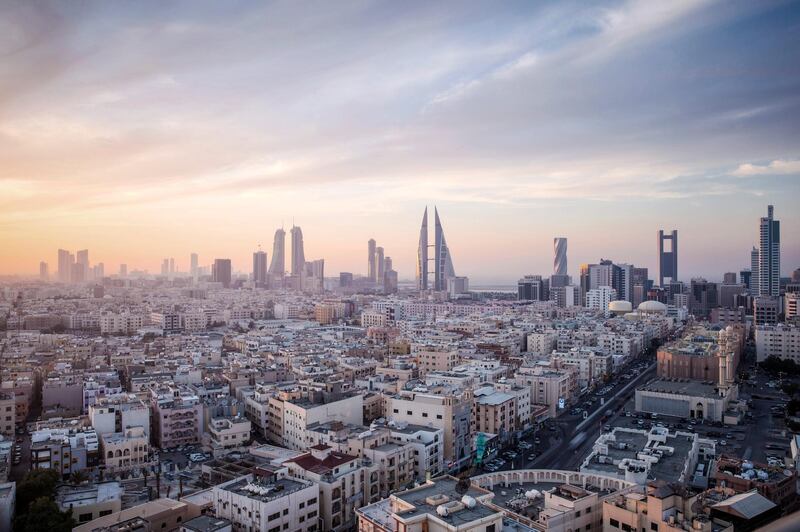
(78, 477)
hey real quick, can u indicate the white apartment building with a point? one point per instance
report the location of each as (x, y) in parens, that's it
(340, 479)
(229, 432)
(272, 504)
(541, 343)
(782, 341)
(298, 414)
(599, 298)
(124, 323)
(449, 410)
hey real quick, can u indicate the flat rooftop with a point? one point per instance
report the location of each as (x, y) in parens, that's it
(266, 492)
(681, 387)
(444, 486)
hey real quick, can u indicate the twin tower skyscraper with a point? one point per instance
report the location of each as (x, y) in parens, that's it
(277, 267)
(443, 262)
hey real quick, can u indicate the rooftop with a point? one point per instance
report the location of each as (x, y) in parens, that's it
(266, 491)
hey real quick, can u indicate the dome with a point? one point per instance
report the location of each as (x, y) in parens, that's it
(620, 307)
(653, 307)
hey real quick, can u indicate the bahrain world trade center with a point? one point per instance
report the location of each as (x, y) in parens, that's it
(443, 261)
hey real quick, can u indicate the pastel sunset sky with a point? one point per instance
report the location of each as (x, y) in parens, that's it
(144, 130)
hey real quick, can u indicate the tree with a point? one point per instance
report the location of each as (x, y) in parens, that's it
(37, 483)
(78, 477)
(44, 516)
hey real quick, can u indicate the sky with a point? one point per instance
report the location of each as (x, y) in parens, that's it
(144, 130)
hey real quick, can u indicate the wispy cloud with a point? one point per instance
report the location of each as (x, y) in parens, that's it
(776, 167)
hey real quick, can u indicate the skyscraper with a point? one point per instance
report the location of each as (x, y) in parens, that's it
(560, 256)
(44, 271)
(372, 269)
(64, 265)
(165, 267)
(444, 269)
(83, 259)
(769, 256)
(422, 254)
(387, 264)
(171, 266)
(221, 272)
(298, 255)
(754, 280)
(277, 268)
(193, 264)
(260, 269)
(379, 263)
(667, 258)
(123, 270)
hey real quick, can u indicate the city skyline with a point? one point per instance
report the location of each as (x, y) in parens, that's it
(484, 113)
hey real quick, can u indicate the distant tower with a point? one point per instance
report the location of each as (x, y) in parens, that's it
(221, 272)
(753, 286)
(260, 269)
(123, 270)
(769, 256)
(444, 262)
(277, 268)
(379, 263)
(372, 269)
(193, 261)
(422, 254)
(171, 266)
(560, 257)
(82, 258)
(44, 271)
(298, 255)
(667, 259)
(64, 265)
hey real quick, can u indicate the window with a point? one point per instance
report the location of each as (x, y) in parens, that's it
(274, 516)
(313, 514)
(490, 528)
(285, 511)
(312, 501)
(424, 414)
(302, 505)
(438, 416)
(627, 528)
(408, 412)
(396, 411)
(275, 529)
(654, 526)
(578, 513)
(589, 526)
(614, 523)
(82, 518)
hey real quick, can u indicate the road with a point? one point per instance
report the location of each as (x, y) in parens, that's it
(552, 451)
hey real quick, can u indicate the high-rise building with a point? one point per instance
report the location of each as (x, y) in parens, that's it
(729, 278)
(44, 271)
(165, 267)
(443, 269)
(82, 258)
(443, 262)
(422, 254)
(345, 279)
(277, 268)
(754, 279)
(389, 281)
(560, 256)
(172, 266)
(221, 272)
(745, 278)
(260, 269)
(78, 273)
(769, 256)
(667, 257)
(530, 288)
(387, 264)
(372, 270)
(298, 254)
(379, 263)
(796, 276)
(99, 271)
(123, 270)
(64, 265)
(193, 266)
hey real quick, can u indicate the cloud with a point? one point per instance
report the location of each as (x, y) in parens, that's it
(776, 167)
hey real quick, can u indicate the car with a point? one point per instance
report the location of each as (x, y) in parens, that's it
(537, 441)
(532, 457)
(723, 443)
